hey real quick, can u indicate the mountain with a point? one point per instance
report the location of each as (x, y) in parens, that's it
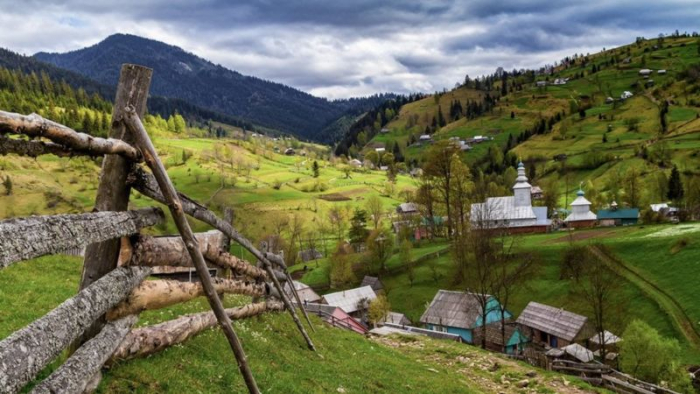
(182, 75)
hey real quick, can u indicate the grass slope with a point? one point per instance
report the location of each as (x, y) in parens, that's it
(345, 362)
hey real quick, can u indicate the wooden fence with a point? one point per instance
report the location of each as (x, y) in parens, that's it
(605, 376)
(96, 324)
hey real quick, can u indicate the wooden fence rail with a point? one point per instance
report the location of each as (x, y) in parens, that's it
(27, 351)
(27, 238)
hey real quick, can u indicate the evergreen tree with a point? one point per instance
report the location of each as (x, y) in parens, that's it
(675, 186)
(316, 169)
(605, 137)
(358, 231)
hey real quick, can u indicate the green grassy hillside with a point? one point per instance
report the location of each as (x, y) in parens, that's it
(345, 361)
(602, 140)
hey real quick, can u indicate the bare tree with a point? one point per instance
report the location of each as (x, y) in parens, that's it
(439, 168)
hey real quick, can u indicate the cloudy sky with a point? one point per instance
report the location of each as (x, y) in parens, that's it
(336, 49)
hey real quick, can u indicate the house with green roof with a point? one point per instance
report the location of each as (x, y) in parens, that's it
(615, 216)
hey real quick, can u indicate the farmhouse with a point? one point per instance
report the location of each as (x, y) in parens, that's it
(373, 282)
(515, 213)
(626, 94)
(306, 293)
(289, 152)
(515, 340)
(380, 150)
(573, 352)
(310, 254)
(395, 318)
(425, 138)
(461, 313)
(581, 215)
(355, 163)
(609, 339)
(336, 317)
(407, 209)
(618, 217)
(355, 302)
(645, 71)
(661, 72)
(548, 326)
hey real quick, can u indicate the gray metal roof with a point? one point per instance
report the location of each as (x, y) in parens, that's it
(453, 309)
(554, 321)
(348, 300)
(407, 207)
(373, 282)
(500, 208)
(305, 292)
(426, 332)
(396, 318)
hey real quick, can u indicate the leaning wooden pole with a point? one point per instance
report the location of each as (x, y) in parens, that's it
(301, 304)
(173, 201)
(146, 184)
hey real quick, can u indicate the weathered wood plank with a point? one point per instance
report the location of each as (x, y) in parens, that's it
(156, 294)
(144, 341)
(183, 226)
(32, 148)
(171, 251)
(27, 351)
(27, 238)
(74, 375)
(35, 126)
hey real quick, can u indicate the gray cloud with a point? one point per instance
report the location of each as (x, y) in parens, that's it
(341, 49)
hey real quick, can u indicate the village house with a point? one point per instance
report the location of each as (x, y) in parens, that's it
(615, 216)
(461, 313)
(626, 94)
(354, 302)
(289, 152)
(609, 339)
(373, 282)
(336, 317)
(548, 326)
(515, 340)
(425, 138)
(514, 213)
(645, 71)
(609, 100)
(310, 254)
(581, 215)
(384, 130)
(407, 209)
(355, 163)
(664, 209)
(661, 72)
(395, 318)
(380, 150)
(416, 172)
(306, 293)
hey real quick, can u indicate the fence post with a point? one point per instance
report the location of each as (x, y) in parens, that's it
(113, 191)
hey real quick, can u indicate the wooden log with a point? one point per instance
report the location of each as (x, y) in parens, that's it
(238, 266)
(113, 191)
(35, 126)
(171, 251)
(156, 294)
(183, 226)
(27, 351)
(146, 184)
(27, 238)
(77, 372)
(144, 341)
(32, 148)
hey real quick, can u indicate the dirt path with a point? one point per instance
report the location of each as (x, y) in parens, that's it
(674, 310)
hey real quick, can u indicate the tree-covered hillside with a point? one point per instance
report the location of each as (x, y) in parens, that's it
(182, 75)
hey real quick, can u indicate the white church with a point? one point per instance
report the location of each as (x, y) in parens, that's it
(515, 213)
(581, 215)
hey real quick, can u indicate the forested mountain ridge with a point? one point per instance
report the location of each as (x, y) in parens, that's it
(182, 75)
